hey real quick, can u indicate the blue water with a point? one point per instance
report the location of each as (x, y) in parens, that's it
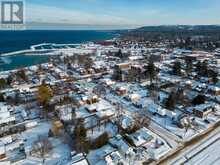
(19, 40)
(19, 61)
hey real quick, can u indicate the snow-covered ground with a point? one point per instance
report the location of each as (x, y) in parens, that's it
(109, 128)
(205, 152)
(60, 153)
(208, 156)
(96, 156)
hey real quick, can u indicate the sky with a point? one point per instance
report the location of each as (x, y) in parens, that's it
(121, 13)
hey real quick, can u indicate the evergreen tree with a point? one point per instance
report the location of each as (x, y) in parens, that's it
(3, 83)
(151, 71)
(177, 68)
(2, 97)
(189, 66)
(80, 134)
(171, 101)
(214, 76)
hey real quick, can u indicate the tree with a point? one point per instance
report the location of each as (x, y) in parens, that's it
(88, 62)
(214, 75)
(180, 95)
(99, 141)
(21, 74)
(2, 99)
(177, 68)
(80, 134)
(3, 83)
(119, 54)
(41, 147)
(132, 75)
(118, 118)
(117, 74)
(151, 70)
(141, 119)
(171, 101)
(200, 99)
(9, 80)
(202, 68)
(99, 90)
(189, 66)
(44, 94)
(198, 66)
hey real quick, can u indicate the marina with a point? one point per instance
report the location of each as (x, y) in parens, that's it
(35, 55)
(19, 61)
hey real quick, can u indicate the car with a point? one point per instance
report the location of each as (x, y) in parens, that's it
(207, 121)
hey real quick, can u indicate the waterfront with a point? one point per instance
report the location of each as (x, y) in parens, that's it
(19, 40)
(18, 61)
(23, 40)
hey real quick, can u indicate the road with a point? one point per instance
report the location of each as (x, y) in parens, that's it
(208, 156)
(204, 152)
(172, 140)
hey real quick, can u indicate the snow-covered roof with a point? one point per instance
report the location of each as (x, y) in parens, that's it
(78, 159)
(203, 107)
(118, 142)
(113, 158)
(141, 137)
(2, 148)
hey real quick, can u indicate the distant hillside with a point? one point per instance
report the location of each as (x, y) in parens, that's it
(173, 32)
(199, 37)
(180, 28)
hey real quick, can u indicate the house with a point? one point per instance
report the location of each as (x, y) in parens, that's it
(78, 159)
(214, 90)
(140, 137)
(158, 149)
(113, 158)
(98, 156)
(134, 97)
(171, 114)
(123, 66)
(90, 99)
(202, 110)
(91, 108)
(121, 91)
(157, 109)
(121, 70)
(109, 82)
(5, 117)
(102, 109)
(16, 151)
(2, 150)
(157, 56)
(136, 58)
(31, 124)
(126, 121)
(64, 112)
(57, 127)
(119, 143)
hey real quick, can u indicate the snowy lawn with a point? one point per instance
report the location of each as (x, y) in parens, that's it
(60, 153)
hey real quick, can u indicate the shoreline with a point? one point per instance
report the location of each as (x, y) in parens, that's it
(37, 51)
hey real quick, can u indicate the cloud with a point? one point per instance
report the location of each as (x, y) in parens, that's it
(50, 14)
(120, 16)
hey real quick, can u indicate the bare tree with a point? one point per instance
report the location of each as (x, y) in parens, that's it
(141, 120)
(99, 90)
(119, 113)
(41, 147)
